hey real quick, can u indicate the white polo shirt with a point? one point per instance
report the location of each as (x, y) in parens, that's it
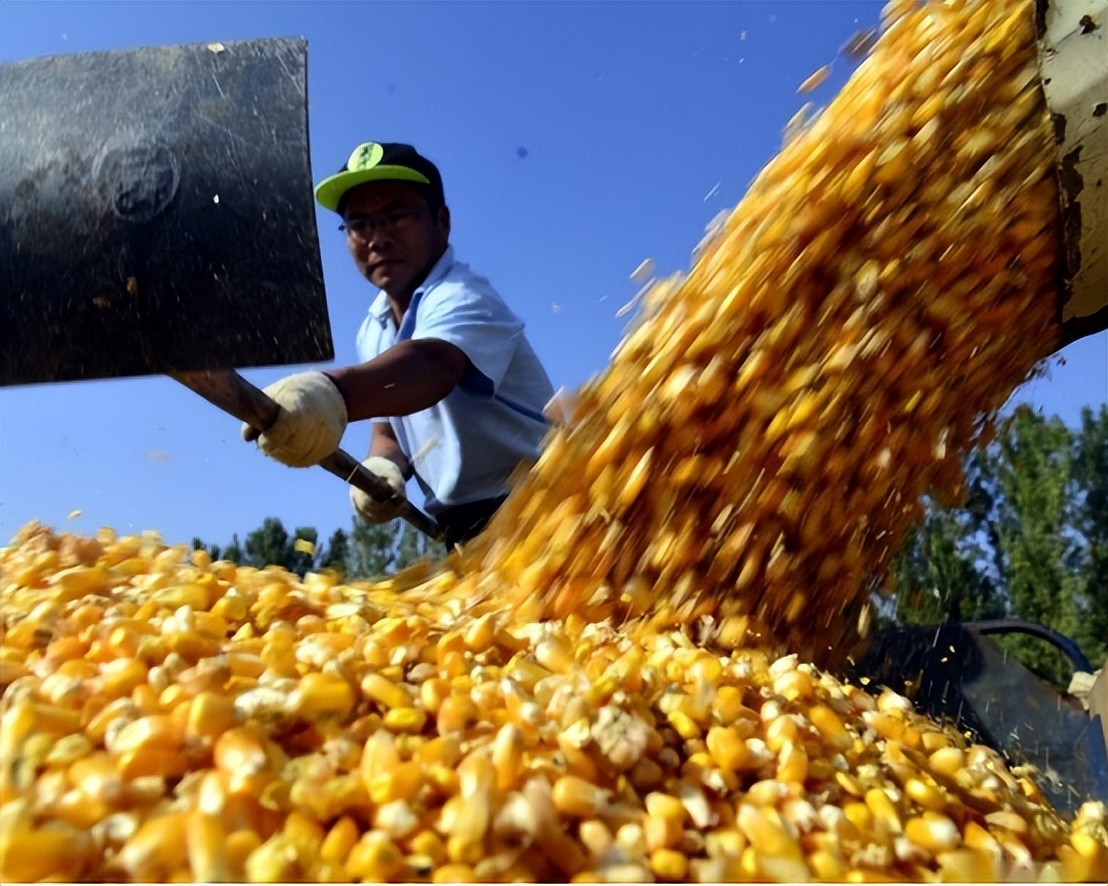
(465, 447)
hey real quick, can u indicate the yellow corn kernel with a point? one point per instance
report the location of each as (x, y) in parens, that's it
(428, 844)
(55, 719)
(826, 866)
(1010, 821)
(595, 836)
(554, 654)
(401, 782)
(669, 864)
(241, 751)
(507, 756)
(947, 761)
(444, 749)
(792, 764)
(148, 761)
(766, 833)
(685, 726)
(156, 732)
(970, 866)
(859, 815)
(54, 851)
(782, 731)
(454, 873)
(385, 692)
(883, 809)
(443, 778)
(157, 849)
(830, 727)
(238, 847)
(405, 720)
(322, 695)
(456, 713)
(374, 857)
(926, 795)
(575, 796)
(480, 634)
(210, 715)
(207, 849)
(934, 832)
(663, 832)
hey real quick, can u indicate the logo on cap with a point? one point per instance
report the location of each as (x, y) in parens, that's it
(365, 156)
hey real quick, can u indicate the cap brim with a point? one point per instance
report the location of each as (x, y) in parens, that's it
(329, 191)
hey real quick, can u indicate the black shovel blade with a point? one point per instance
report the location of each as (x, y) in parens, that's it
(156, 213)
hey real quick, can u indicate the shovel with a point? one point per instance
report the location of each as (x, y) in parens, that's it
(156, 217)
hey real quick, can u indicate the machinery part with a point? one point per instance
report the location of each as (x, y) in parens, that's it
(953, 671)
(1019, 626)
(156, 213)
(1073, 60)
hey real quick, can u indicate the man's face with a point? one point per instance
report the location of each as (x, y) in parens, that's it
(394, 237)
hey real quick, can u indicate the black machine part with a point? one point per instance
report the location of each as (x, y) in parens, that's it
(953, 672)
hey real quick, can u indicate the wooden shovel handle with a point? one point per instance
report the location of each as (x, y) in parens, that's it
(236, 396)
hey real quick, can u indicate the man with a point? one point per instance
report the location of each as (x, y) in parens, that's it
(453, 387)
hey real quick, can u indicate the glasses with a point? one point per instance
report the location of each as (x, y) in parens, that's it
(363, 227)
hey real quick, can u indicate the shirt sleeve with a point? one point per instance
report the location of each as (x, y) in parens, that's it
(471, 316)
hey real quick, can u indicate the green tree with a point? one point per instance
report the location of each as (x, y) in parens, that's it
(413, 546)
(1090, 470)
(1029, 542)
(378, 550)
(233, 551)
(938, 572)
(268, 545)
(1040, 554)
(337, 554)
(368, 551)
(305, 555)
(213, 550)
(371, 549)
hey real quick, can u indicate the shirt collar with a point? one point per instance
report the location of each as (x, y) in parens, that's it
(380, 308)
(437, 272)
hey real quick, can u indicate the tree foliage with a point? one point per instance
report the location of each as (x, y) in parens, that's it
(368, 551)
(1030, 541)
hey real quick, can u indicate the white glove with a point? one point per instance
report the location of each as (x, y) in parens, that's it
(311, 424)
(367, 507)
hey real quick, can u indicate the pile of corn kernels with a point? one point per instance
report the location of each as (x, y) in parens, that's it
(170, 718)
(580, 696)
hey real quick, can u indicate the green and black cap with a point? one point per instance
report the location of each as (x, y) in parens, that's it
(381, 161)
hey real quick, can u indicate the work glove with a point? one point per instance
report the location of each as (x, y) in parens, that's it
(367, 507)
(311, 423)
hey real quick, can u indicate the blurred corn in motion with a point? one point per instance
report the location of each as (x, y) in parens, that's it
(762, 438)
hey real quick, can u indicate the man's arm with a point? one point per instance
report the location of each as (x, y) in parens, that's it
(408, 377)
(385, 445)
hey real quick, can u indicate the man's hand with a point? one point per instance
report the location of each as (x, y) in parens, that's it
(367, 507)
(311, 424)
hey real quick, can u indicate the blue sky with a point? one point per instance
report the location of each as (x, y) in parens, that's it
(575, 140)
